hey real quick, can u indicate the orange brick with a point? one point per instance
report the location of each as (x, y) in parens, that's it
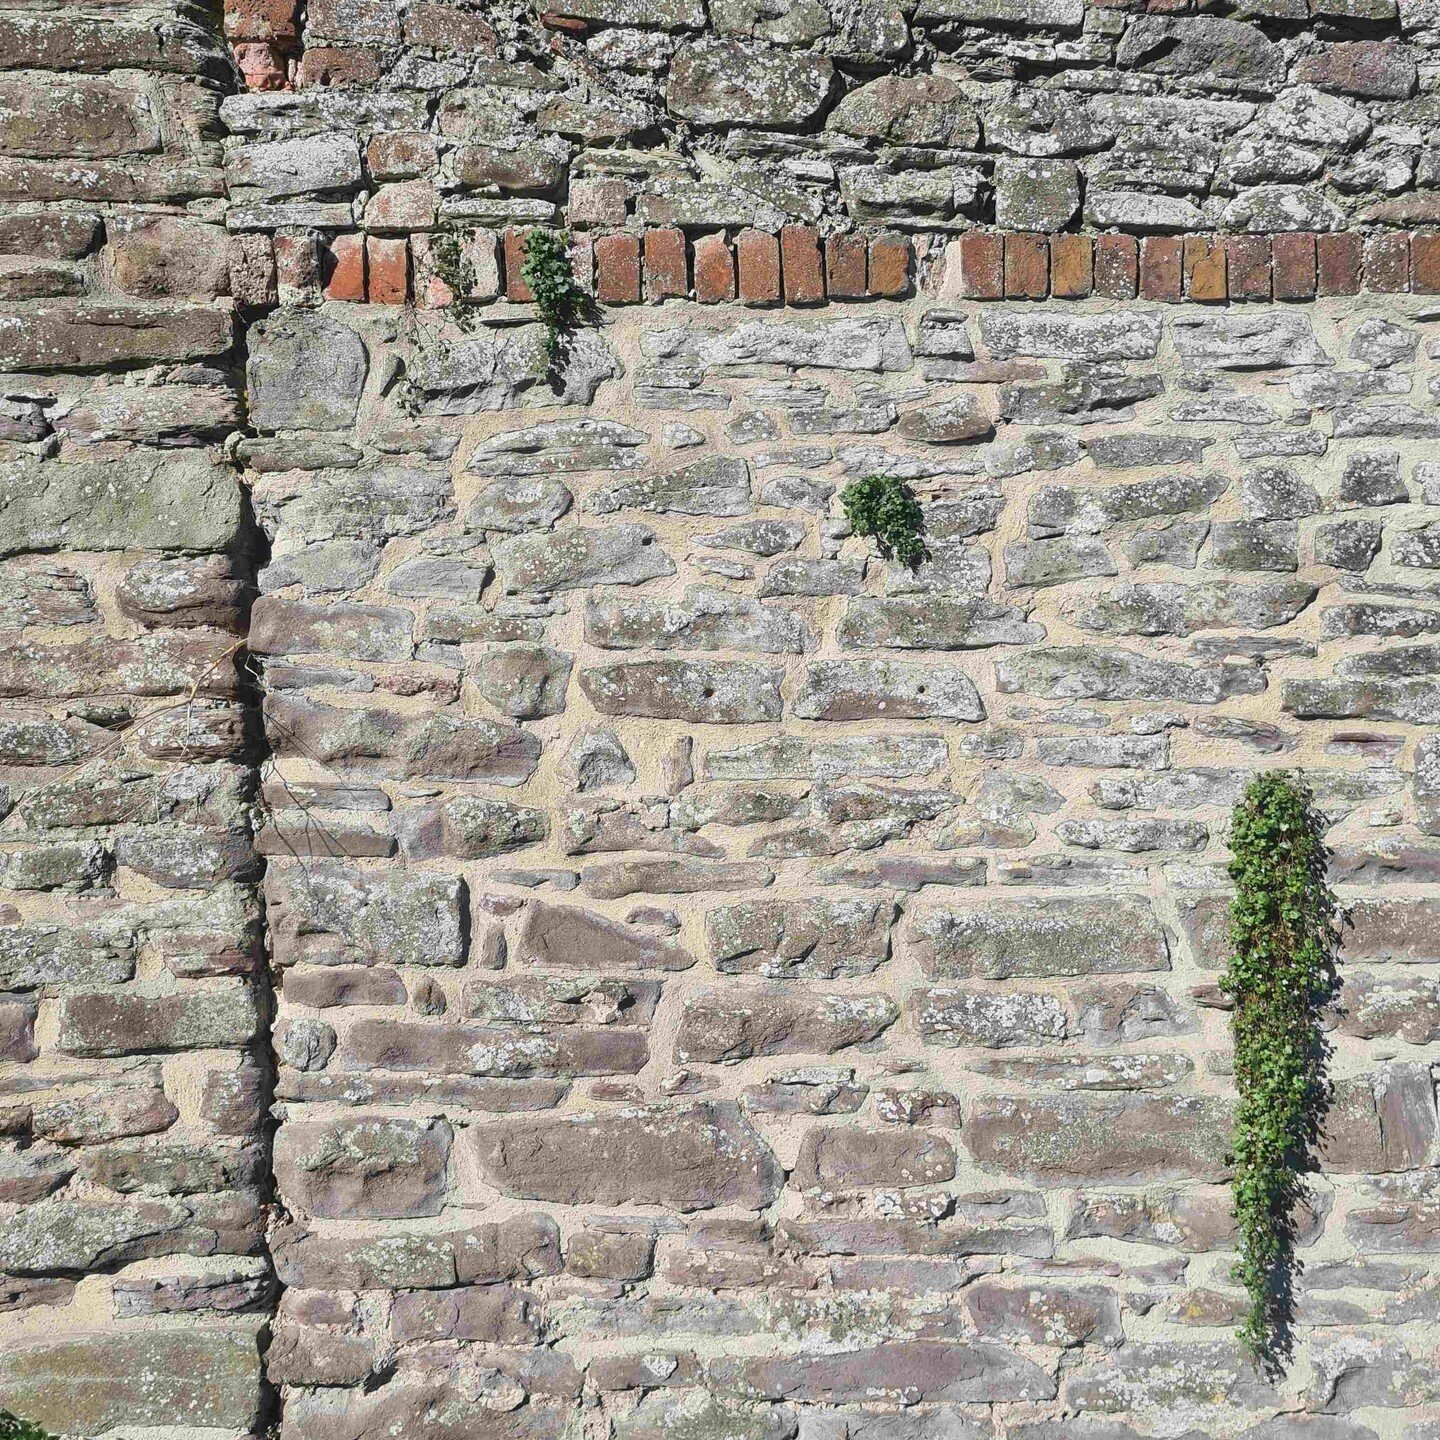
(666, 273)
(1027, 267)
(1425, 263)
(845, 266)
(343, 268)
(714, 269)
(982, 265)
(1161, 263)
(1204, 259)
(512, 245)
(800, 267)
(889, 266)
(1337, 264)
(1072, 266)
(1117, 265)
(1248, 263)
(1387, 264)
(617, 269)
(387, 264)
(1294, 266)
(757, 258)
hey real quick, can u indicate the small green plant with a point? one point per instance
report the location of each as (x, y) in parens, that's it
(559, 300)
(885, 508)
(1280, 975)
(14, 1428)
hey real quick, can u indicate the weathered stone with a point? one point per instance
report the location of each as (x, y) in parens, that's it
(863, 343)
(92, 1383)
(1173, 609)
(102, 1023)
(1011, 938)
(718, 485)
(1058, 509)
(305, 372)
(933, 623)
(707, 619)
(577, 939)
(471, 1050)
(362, 1168)
(720, 1027)
(1381, 1122)
(952, 1016)
(470, 826)
(1130, 1139)
(685, 1158)
(840, 1157)
(1242, 341)
(719, 692)
(575, 558)
(875, 689)
(778, 89)
(524, 681)
(1064, 673)
(815, 938)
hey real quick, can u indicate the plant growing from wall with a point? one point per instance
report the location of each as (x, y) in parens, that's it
(559, 301)
(884, 508)
(14, 1428)
(1281, 973)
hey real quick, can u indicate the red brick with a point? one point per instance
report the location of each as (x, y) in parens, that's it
(1387, 263)
(1161, 259)
(513, 250)
(1425, 263)
(1027, 267)
(1248, 264)
(714, 269)
(617, 269)
(337, 68)
(1294, 266)
(260, 20)
(297, 269)
(982, 266)
(388, 265)
(845, 266)
(1337, 263)
(889, 266)
(261, 65)
(666, 274)
(1204, 261)
(1072, 266)
(800, 268)
(757, 257)
(344, 268)
(1116, 266)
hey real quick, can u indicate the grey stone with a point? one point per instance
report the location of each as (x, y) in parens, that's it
(716, 485)
(305, 372)
(733, 1025)
(1119, 336)
(577, 558)
(720, 82)
(719, 692)
(874, 689)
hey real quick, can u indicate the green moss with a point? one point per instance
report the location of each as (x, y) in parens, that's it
(885, 509)
(1281, 973)
(13, 1428)
(559, 301)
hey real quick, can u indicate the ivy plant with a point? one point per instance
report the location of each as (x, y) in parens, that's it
(559, 301)
(885, 509)
(1280, 975)
(14, 1428)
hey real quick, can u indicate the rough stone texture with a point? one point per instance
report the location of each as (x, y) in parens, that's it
(712, 983)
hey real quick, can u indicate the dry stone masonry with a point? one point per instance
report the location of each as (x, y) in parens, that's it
(515, 924)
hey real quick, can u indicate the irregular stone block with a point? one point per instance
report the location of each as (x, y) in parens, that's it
(952, 1016)
(129, 1023)
(814, 938)
(365, 1168)
(472, 1050)
(568, 936)
(717, 692)
(1092, 673)
(82, 336)
(843, 1156)
(779, 89)
(877, 689)
(575, 559)
(717, 485)
(305, 372)
(707, 619)
(933, 622)
(726, 1026)
(690, 1157)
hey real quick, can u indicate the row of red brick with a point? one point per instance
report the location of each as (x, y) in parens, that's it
(799, 267)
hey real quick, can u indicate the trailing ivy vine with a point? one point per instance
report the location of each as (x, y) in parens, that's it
(885, 509)
(559, 301)
(1280, 975)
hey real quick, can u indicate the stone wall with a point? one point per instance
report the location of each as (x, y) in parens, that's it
(514, 923)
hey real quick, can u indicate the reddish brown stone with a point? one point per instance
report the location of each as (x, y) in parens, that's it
(1027, 267)
(1161, 263)
(336, 67)
(1337, 263)
(1248, 267)
(344, 268)
(513, 243)
(252, 269)
(982, 266)
(388, 266)
(261, 65)
(1387, 263)
(260, 20)
(800, 265)
(1072, 266)
(714, 270)
(889, 266)
(757, 258)
(845, 266)
(297, 268)
(1425, 263)
(1204, 261)
(1116, 266)
(617, 269)
(1294, 266)
(665, 268)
